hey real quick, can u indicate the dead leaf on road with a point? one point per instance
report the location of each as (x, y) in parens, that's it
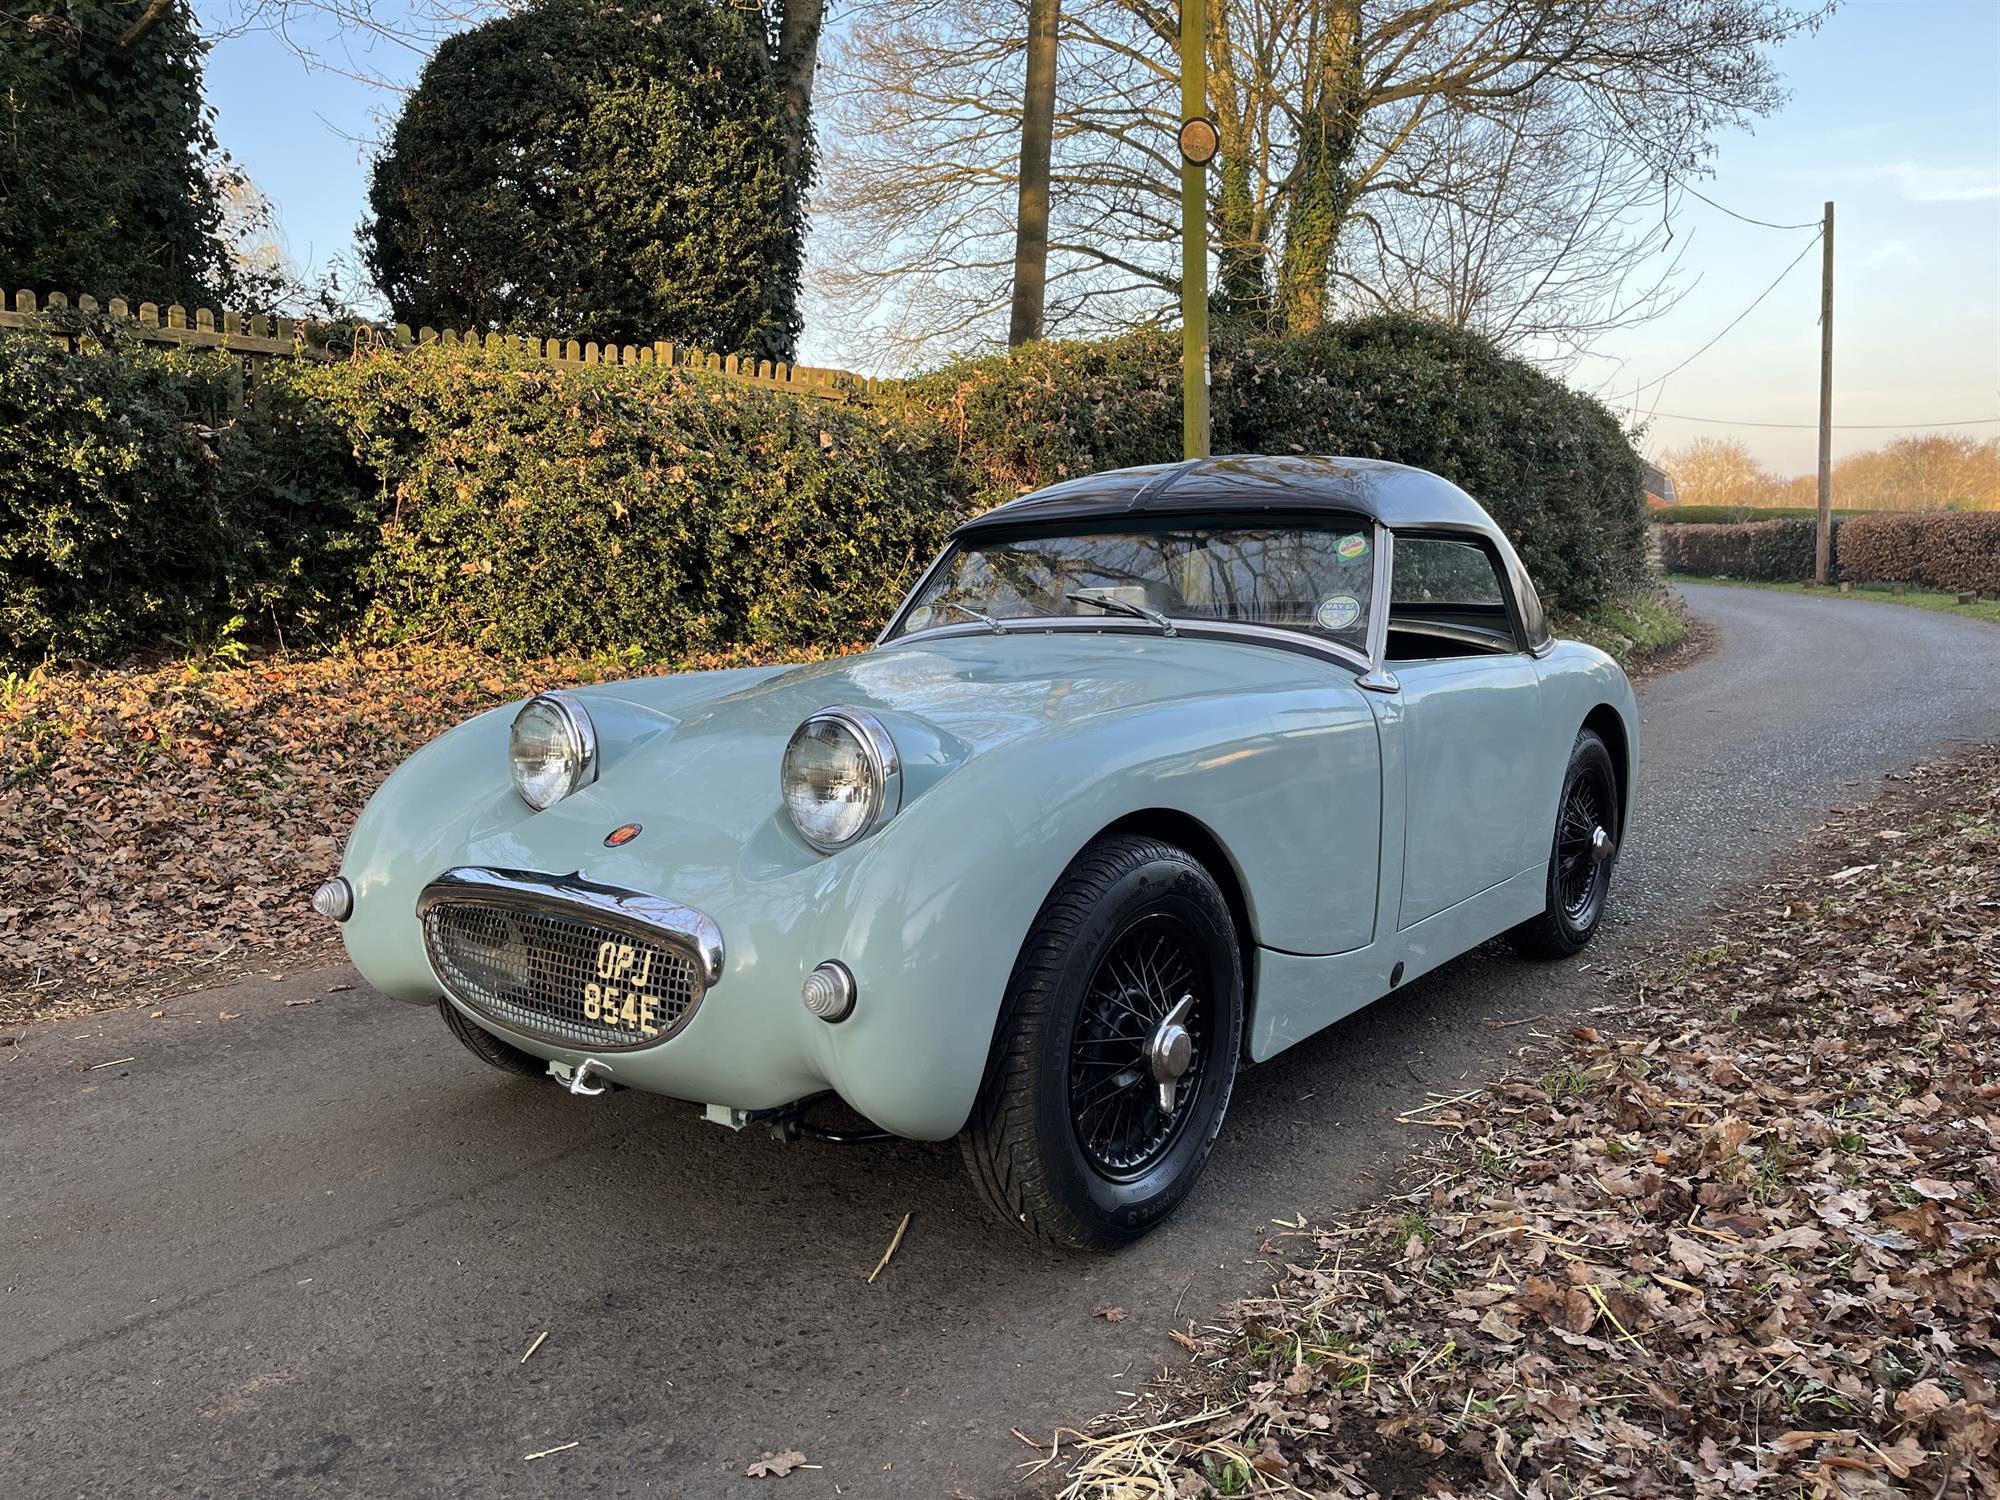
(1109, 1314)
(776, 1465)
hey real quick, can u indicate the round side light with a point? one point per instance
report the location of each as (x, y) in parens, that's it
(829, 991)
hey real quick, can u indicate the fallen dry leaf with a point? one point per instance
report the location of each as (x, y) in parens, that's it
(776, 1465)
(1109, 1314)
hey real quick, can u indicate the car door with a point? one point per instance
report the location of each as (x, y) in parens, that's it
(1471, 719)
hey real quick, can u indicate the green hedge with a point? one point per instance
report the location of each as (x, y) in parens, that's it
(536, 509)
(1762, 551)
(1715, 515)
(1553, 467)
(489, 497)
(140, 503)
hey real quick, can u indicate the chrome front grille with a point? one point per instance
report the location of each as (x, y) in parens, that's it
(560, 976)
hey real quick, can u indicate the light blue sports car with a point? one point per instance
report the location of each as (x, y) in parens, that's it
(1152, 775)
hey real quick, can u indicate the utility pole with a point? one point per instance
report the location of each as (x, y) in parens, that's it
(1198, 142)
(1823, 541)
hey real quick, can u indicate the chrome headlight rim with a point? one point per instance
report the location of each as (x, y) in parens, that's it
(885, 764)
(580, 734)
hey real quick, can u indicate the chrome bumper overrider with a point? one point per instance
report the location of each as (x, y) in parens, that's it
(563, 960)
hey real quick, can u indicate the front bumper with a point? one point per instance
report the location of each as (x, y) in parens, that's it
(579, 972)
(565, 961)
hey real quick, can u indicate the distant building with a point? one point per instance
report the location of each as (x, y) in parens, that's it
(1660, 487)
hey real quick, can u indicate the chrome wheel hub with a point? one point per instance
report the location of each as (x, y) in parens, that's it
(1170, 1051)
(1601, 847)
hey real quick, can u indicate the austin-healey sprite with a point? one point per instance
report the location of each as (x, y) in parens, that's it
(1152, 774)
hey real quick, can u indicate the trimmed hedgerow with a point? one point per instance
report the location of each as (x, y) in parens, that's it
(1958, 551)
(484, 495)
(1734, 515)
(1553, 467)
(536, 509)
(142, 502)
(1761, 551)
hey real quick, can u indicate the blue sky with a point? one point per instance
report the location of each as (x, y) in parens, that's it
(1895, 115)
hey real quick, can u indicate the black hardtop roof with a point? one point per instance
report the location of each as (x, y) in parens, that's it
(1393, 494)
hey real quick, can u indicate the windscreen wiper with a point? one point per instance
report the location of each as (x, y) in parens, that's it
(987, 620)
(1114, 605)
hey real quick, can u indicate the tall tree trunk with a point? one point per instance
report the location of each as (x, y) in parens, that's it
(1240, 249)
(1323, 194)
(1244, 291)
(799, 24)
(1038, 120)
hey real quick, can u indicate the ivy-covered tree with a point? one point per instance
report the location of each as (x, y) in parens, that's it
(582, 170)
(107, 153)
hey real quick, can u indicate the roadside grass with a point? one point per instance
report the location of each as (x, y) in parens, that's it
(1637, 629)
(1740, 1235)
(1873, 593)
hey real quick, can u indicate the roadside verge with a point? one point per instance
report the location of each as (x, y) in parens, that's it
(1752, 1245)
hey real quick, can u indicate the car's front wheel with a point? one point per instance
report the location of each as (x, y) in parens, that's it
(1581, 856)
(1116, 1051)
(488, 1048)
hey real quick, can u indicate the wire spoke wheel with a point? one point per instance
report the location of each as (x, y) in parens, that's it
(1115, 1076)
(1583, 873)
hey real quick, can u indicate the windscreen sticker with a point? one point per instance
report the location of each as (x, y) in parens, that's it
(919, 617)
(1351, 548)
(1337, 612)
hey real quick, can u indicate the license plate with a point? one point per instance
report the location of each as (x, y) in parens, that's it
(621, 995)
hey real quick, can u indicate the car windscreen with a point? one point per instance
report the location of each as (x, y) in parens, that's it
(1316, 579)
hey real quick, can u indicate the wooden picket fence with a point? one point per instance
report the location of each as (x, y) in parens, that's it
(258, 339)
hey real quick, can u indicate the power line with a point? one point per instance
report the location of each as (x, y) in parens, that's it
(1760, 223)
(1837, 426)
(1633, 394)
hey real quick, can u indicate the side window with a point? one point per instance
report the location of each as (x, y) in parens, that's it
(1429, 570)
(1446, 598)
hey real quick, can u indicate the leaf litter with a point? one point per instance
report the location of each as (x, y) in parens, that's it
(163, 827)
(1749, 1247)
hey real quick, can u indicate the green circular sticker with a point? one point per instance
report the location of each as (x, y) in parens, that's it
(1351, 547)
(1337, 612)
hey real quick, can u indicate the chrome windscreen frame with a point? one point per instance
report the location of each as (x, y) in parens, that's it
(645, 916)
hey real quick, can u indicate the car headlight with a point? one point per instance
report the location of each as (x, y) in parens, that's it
(553, 748)
(842, 777)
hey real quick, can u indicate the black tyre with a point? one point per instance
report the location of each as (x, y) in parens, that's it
(1581, 858)
(488, 1048)
(1073, 1136)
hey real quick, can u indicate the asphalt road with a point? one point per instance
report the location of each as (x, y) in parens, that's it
(302, 1249)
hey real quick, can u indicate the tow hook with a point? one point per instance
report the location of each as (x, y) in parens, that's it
(577, 1079)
